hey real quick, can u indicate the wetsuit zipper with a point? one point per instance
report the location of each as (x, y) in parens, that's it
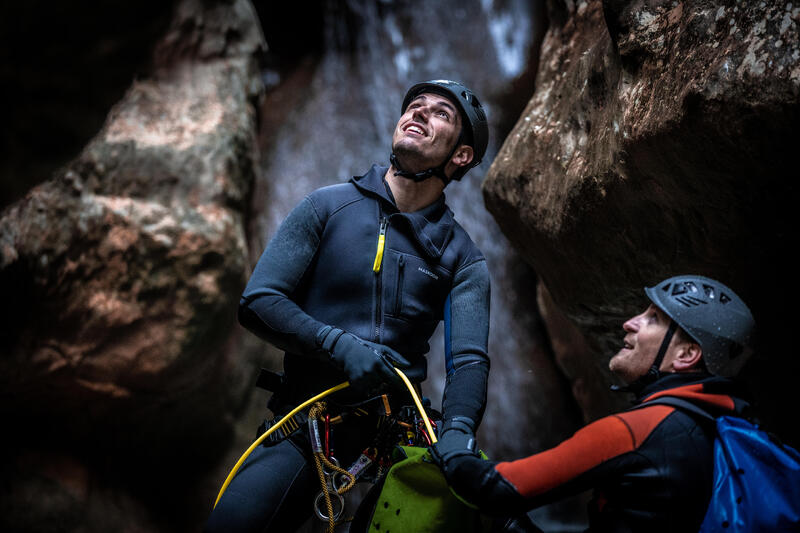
(376, 268)
(398, 292)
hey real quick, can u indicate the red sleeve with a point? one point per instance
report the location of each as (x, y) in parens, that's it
(589, 447)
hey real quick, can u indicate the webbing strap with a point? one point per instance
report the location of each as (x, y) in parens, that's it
(680, 403)
(290, 426)
(662, 350)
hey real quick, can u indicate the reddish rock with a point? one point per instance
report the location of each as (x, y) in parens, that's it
(660, 140)
(121, 276)
(588, 375)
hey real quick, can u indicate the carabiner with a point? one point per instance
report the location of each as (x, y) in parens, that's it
(320, 507)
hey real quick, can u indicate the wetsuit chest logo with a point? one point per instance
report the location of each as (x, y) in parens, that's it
(428, 273)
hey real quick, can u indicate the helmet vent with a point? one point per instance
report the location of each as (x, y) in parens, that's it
(684, 287)
(709, 290)
(711, 314)
(478, 109)
(690, 301)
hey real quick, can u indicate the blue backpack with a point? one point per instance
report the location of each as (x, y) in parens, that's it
(756, 478)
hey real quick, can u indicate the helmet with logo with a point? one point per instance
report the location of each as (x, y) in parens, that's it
(474, 131)
(713, 315)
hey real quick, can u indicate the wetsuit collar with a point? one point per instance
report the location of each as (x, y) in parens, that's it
(431, 226)
(714, 393)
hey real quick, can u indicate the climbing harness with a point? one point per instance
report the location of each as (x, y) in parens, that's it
(397, 462)
(327, 470)
(274, 428)
(289, 418)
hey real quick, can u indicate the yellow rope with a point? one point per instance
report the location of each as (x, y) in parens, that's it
(308, 402)
(319, 459)
(283, 420)
(328, 504)
(418, 404)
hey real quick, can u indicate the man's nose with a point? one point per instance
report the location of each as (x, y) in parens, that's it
(632, 324)
(421, 112)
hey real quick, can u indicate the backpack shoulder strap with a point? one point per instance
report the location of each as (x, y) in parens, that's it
(678, 403)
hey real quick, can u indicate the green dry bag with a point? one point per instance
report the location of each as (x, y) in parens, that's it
(414, 497)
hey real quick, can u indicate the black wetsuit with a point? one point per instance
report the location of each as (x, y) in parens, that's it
(322, 268)
(651, 467)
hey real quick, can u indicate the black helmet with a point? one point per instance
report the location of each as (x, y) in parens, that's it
(713, 315)
(475, 130)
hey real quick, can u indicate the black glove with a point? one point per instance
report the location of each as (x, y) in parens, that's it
(456, 440)
(368, 365)
(469, 475)
(478, 482)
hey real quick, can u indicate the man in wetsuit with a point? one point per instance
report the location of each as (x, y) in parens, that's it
(354, 282)
(650, 467)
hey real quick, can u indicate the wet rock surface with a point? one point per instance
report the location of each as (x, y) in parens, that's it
(62, 68)
(660, 140)
(120, 275)
(125, 377)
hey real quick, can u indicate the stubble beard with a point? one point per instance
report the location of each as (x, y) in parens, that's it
(617, 366)
(409, 156)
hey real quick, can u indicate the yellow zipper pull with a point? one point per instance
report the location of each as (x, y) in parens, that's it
(376, 266)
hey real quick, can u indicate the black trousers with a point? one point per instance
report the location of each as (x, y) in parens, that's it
(272, 491)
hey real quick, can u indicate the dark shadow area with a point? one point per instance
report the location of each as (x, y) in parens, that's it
(62, 67)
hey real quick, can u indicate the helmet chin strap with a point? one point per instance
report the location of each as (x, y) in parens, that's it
(418, 176)
(425, 174)
(654, 372)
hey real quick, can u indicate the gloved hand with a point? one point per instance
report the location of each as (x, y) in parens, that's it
(368, 365)
(478, 482)
(469, 475)
(456, 440)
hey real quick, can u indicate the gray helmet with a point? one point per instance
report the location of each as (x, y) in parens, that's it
(713, 315)
(475, 129)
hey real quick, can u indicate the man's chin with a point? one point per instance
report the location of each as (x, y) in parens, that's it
(613, 363)
(617, 367)
(410, 158)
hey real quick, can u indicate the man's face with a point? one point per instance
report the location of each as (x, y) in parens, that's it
(644, 334)
(426, 132)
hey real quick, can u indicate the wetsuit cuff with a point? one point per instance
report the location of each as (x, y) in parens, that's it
(327, 336)
(463, 424)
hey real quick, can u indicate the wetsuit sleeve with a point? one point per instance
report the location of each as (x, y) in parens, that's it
(266, 307)
(594, 453)
(466, 332)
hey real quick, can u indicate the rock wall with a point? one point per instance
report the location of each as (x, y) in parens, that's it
(126, 382)
(661, 140)
(62, 67)
(119, 278)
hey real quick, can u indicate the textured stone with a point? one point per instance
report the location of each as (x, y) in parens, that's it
(62, 68)
(660, 140)
(121, 275)
(587, 375)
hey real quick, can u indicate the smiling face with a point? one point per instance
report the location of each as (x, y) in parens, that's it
(644, 334)
(426, 132)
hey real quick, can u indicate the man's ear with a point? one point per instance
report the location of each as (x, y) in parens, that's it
(462, 156)
(688, 357)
